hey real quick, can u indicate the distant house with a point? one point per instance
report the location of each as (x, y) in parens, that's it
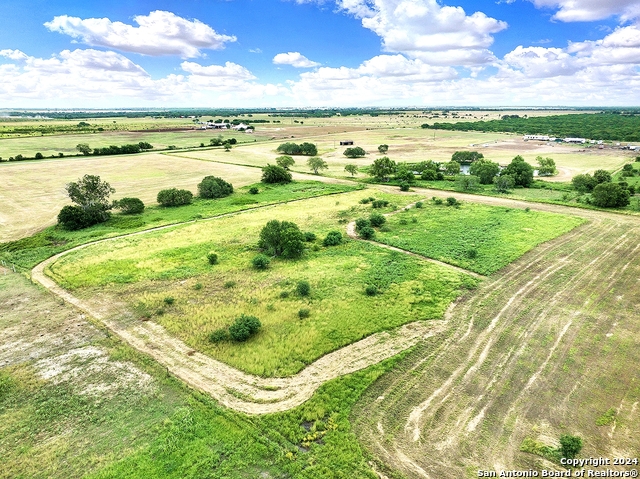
(346, 142)
(575, 140)
(536, 137)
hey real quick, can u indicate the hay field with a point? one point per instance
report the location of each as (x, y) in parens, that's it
(32, 193)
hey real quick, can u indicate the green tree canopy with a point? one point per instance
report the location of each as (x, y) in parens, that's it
(583, 183)
(285, 161)
(504, 183)
(83, 148)
(382, 168)
(602, 176)
(282, 238)
(275, 174)
(352, 169)
(466, 157)
(452, 168)
(546, 166)
(610, 195)
(521, 171)
(316, 164)
(403, 173)
(383, 149)
(355, 152)
(485, 170)
(89, 192)
(214, 187)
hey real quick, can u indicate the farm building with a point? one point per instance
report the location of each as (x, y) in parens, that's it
(346, 142)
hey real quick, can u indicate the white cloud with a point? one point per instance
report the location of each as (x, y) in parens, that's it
(230, 71)
(159, 33)
(295, 59)
(438, 35)
(591, 10)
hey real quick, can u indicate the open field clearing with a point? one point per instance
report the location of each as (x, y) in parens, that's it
(33, 193)
(544, 348)
(52, 145)
(475, 237)
(75, 403)
(340, 312)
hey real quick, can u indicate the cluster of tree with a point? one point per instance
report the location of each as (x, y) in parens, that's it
(213, 187)
(355, 152)
(305, 148)
(604, 193)
(240, 331)
(282, 238)
(466, 157)
(219, 141)
(85, 149)
(604, 126)
(92, 206)
(174, 197)
(275, 174)
(37, 156)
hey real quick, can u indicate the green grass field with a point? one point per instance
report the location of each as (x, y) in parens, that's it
(480, 238)
(144, 269)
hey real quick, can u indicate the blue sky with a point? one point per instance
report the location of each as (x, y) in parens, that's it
(244, 53)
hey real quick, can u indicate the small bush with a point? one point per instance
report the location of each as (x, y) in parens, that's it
(333, 238)
(371, 290)
(362, 223)
(472, 253)
(303, 288)
(377, 220)
(284, 294)
(219, 335)
(419, 204)
(385, 228)
(212, 257)
(229, 284)
(174, 197)
(404, 186)
(414, 220)
(309, 237)
(72, 218)
(403, 221)
(253, 190)
(212, 187)
(451, 201)
(244, 327)
(438, 201)
(260, 262)
(380, 203)
(197, 286)
(527, 209)
(367, 233)
(275, 174)
(304, 313)
(129, 206)
(169, 300)
(365, 201)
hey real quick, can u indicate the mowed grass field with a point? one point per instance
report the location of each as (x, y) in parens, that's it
(32, 193)
(480, 238)
(145, 269)
(75, 403)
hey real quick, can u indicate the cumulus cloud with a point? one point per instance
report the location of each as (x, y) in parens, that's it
(230, 71)
(591, 10)
(159, 33)
(438, 35)
(295, 59)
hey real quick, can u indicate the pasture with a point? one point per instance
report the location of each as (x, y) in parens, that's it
(479, 238)
(144, 269)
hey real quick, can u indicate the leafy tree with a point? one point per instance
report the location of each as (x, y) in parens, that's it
(452, 168)
(72, 218)
(504, 183)
(362, 223)
(570, 446)
(174, 197)
(145, 145)
(485, 170)
(546, 166)
(92, 195)
(254, 190)
(275, 174)
(353, 169)
(39, 156)
(466, 157)
(83, 148)
(214, 187)
(316, 164)
(367, 233)
(376, 220)
(260, 262)
(382, 168)
(244, 327)
(429, 175)
(282, 239)
(303, 288)
(285, 161)
(583, 183)
(333, 238)
(403, 173)
(355, 152)
(404, 186)
(426, 165)
(383, 149)
(129, 206)
(610, 195)
(601, 176)
(308, 149)
(289, 148)
(521, 171)
(467, 182)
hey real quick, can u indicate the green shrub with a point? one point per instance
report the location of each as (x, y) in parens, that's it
(333, 238)
(129, 206)
(309, 237)
(429, 175)
(367, 233)
(472, 253)
(437, 201)
(362, 223)
(451, 201)
(380, 203)
(365, 201)
(282, 238)
(229, 284)
(284, 294)
(377, 220)
(197, 286)
(419, 204)
(212, 187)
(385, 228)
(169, 300)
(174, 197)
(371, 290)
(254, 190)
(304, 313)
(219, 335)
(72, 218)
(275, 174)
(404, 186)
(212, 257)
(570, 446)
(403, 221)
(260, 262)
(303, 288)
(244, 327)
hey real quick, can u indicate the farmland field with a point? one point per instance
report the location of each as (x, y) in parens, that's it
(479, 238)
